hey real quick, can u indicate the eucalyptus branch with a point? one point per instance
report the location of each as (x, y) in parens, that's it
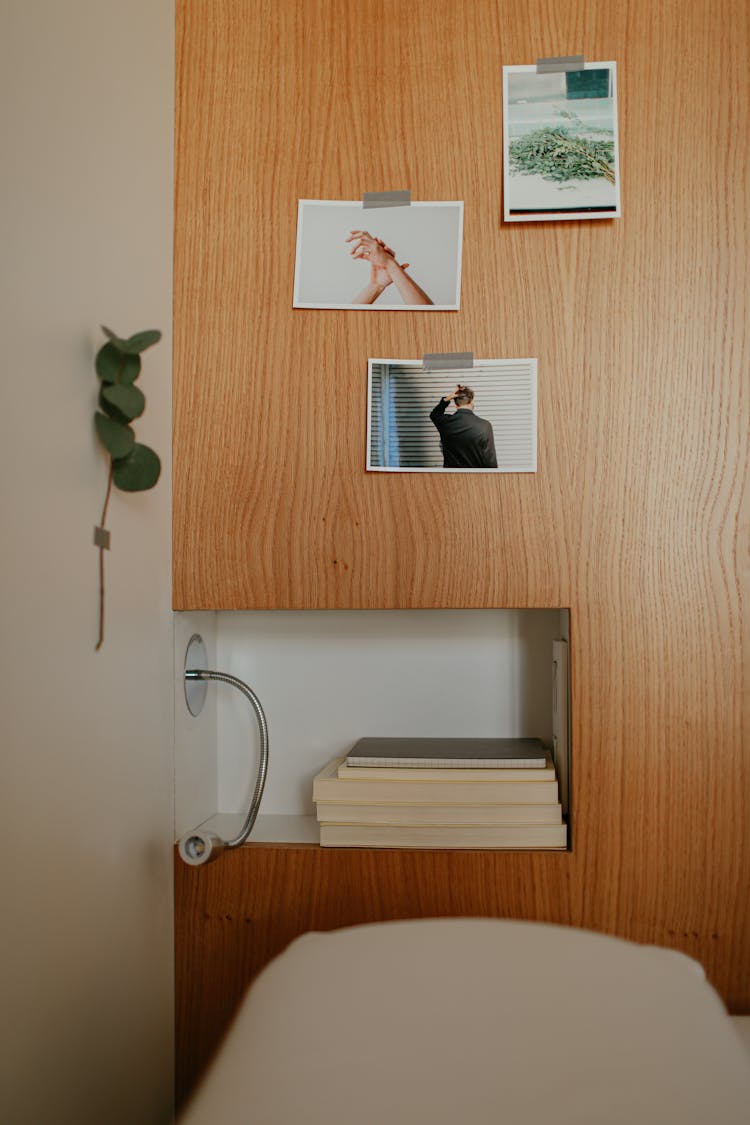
(132, 467)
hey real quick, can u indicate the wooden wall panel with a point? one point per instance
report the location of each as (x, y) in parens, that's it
(637, 516)
(637, 323)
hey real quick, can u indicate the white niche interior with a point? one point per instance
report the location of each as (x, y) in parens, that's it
(328, 677)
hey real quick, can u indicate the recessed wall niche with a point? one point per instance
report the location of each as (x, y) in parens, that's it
(328, 677)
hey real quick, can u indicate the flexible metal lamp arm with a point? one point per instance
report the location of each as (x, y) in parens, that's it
(198, 847)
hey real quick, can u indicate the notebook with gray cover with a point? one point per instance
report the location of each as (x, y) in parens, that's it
(450, 753)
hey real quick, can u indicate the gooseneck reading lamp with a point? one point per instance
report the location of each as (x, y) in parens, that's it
(200, 847)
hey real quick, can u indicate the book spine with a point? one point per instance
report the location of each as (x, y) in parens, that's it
(436, 792)
(330, 812)
(384, 773)
(464, 836)
(360, 762)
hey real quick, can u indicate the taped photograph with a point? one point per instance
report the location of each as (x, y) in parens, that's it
(560, 151)
(354, 257)
(480, 419)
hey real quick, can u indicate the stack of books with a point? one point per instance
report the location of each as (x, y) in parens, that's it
(441, 793)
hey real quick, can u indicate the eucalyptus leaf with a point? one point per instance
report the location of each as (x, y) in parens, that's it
(110, 410)
(134, 344)
(114, 339)
(131, 369)
(141, 340)
(113, 366)
(137, 472)
(128, 400)
(117, 438)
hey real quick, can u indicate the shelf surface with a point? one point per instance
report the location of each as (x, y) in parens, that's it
(271, 828)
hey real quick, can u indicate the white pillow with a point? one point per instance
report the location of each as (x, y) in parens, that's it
(472, 1022)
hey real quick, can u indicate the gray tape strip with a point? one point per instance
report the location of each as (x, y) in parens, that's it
(447, 361)
(565, 62)
(101, 538)
(386, 199)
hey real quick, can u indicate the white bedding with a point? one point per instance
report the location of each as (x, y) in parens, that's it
(472, 1022)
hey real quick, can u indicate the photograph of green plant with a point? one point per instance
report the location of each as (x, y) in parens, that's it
(560, 151)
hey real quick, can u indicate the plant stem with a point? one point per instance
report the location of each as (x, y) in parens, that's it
(100, 642)
(606, 170)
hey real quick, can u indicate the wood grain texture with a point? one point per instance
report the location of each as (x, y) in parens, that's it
(637, 518)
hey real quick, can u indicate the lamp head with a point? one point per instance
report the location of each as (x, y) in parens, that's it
(197, 848)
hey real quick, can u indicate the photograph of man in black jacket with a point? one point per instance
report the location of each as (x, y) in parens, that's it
(467, 440)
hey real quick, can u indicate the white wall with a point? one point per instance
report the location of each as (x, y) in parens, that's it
(327, 678)
(86, 109)
(196, 766)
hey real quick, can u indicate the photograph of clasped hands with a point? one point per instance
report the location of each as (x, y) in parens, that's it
(349, 256)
